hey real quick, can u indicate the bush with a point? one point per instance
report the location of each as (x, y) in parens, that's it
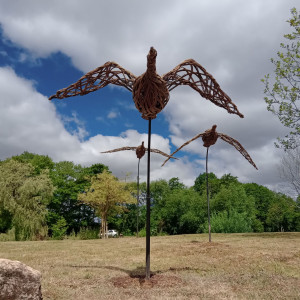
(59, 229)
(87, 233)
(142, 232)
(9, 236)
(229, 222)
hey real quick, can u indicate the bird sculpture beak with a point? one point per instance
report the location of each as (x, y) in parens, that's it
(152, 52)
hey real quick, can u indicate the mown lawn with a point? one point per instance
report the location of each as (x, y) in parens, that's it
(233, 266)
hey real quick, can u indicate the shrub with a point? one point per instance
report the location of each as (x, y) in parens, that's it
(229, 222)
(9, 236)
(59, 229)
(87, 233)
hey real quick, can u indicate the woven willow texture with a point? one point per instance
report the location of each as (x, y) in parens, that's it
(209, 138)
(150, 90)
(140, 151)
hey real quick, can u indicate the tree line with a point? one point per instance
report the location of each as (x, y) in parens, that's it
(41, 199)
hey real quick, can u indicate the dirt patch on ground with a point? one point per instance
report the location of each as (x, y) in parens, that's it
(139, 281)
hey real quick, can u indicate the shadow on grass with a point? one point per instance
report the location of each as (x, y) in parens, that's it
(139, 272)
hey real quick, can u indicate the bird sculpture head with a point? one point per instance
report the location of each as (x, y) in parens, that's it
(151, 60)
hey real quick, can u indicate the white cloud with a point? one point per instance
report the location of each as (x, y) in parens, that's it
(233, 40)
(113, 114)
(29, 122)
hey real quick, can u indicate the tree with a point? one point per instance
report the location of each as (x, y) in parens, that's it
(263, 198)
(23, 199)
(238, 206)
(213, 181)
(69, 180)
(174, 183)
(282, 214)
(39, 162)
(107, 196)
(283, 98)
(290, 168)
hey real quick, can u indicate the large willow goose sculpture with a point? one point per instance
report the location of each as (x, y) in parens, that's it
(151, 94)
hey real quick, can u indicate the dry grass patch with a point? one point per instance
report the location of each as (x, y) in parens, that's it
(233, 266)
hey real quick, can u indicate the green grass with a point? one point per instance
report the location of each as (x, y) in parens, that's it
(233, 266)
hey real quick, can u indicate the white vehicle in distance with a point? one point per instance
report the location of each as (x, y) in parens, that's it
(112, 233)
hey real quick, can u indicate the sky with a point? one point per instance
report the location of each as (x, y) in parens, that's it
(47, 45)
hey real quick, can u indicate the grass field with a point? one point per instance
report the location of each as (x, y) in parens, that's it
(233, 266)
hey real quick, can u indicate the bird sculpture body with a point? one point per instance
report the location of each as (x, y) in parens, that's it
(140, 151)
(151, 91)
(210, 137)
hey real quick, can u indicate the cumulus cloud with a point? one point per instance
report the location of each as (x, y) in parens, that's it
(30, 122)
(233, 40)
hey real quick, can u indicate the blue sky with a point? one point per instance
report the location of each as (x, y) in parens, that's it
(45, 46)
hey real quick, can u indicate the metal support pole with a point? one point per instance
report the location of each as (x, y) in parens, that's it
(148, 206)
(138, 200)
(207, 194)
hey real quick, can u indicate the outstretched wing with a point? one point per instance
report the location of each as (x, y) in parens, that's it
(134, 148)
(161, 153)
(120, 149)
(194, 75)
(109, 73)
(185, 144)
(238, 147)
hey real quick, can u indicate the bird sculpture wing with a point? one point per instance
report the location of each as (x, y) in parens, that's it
(194, 75)
(185, 144)
(238, 147)
(120, 149)
(134, 148)
(161, 153)
(109, 73)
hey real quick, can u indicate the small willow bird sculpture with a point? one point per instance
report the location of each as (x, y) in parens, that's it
(150, 90)
(140, 151)
(209, 138)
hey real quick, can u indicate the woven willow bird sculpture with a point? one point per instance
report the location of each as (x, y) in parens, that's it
(151, 94)
(140, 152)
(209, 138)
(150, 90)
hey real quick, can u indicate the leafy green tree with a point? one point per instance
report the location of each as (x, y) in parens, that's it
(39, 162)
(174, 183)
(70, 180)
(228, 179)
(107, 196)
(263, 198)
(213, 183)
(283, 96)
(234, 200)
(23, 198)
(183, 212)
(282, 214)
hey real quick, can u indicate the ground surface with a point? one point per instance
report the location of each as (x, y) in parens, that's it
(233, 266)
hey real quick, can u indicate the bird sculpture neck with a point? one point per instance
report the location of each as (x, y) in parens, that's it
(151, 61)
